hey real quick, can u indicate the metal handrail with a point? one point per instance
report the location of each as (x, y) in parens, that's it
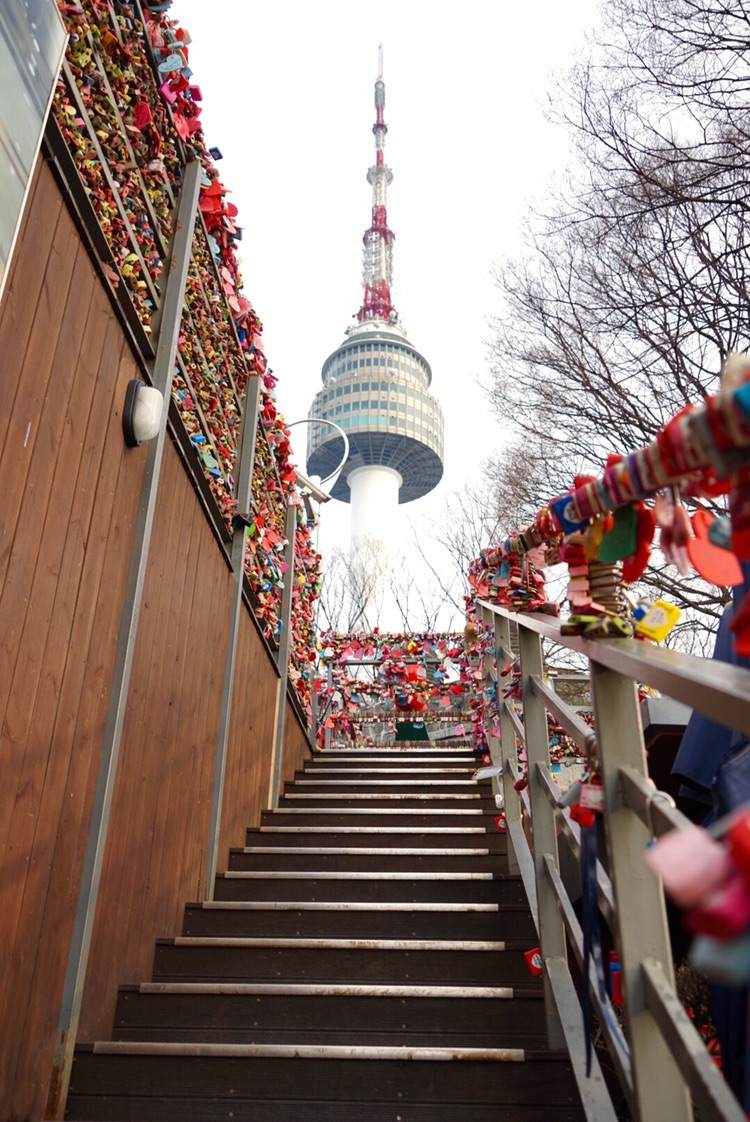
(668, 1066)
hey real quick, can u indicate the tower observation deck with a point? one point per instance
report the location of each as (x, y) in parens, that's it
(376, 385)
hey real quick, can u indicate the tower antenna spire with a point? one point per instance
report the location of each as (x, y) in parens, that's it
(377, 257)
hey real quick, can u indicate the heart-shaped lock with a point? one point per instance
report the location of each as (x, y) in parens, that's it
(712, 562)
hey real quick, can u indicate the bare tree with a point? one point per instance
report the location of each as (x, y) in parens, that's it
(351, 588)
(634, 284)
(368, 584)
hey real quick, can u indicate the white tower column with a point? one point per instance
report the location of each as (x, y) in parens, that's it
(374, 501)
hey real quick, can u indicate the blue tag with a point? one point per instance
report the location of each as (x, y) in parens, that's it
(742, 397)
(565, 515)
(720, 533)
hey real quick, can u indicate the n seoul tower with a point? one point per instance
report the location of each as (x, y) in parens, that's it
(376, 385)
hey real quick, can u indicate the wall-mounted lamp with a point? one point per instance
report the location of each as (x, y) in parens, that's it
(312, 495)
(312, 490)
(141, 417)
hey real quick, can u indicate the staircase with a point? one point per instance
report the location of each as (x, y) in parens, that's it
(366, 939)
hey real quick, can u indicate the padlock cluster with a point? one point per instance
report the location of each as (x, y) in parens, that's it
(129, 110)
(604, 526)
(708, 876)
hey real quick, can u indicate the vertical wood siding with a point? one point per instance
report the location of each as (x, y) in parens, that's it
(156, 850)
(70, 490)
(69, 493)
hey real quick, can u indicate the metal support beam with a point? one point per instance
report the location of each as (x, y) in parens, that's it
(713, 1098)
(494, 744)
(641, 914)
(543, 825)
(507, 749)
(162, 374)
(243, 496)
(282, 657)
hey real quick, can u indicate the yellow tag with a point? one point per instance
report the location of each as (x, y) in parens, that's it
(592, 539)
(658, 621)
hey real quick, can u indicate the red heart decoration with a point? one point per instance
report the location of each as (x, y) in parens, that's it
(716, 565)
(635, 566)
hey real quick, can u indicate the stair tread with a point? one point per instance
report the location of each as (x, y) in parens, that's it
(351, 905)
(285, 1109)
(328, 990)
(344, 944)
(322, 1051)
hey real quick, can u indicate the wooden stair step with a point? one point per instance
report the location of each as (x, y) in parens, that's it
(326, 961)
(374, 785)
(129, 1081)
(358, 861)
(389, 755)
(345, 1014)
(380, 816)
(458, 887)
(387, 771)
(359, 921)
(321, 1110)
(395, 800)
(380, 837)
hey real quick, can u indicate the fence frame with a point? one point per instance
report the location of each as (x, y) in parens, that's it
(668, 1061)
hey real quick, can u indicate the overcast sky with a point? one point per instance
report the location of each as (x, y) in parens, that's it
(288, 97)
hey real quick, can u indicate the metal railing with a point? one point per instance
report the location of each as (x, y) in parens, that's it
(661, 1062)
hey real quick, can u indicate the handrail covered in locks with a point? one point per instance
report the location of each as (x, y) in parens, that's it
(608, 824)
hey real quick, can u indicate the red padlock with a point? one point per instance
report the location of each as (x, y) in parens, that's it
(725, 914)
(739, 843)
(582, 815)
(534, 961)
(501, 824)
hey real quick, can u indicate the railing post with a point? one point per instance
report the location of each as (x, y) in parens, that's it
(494, 746)
(641, 914)
(543, 824)
(507, 746)
(243, 495)
(282, 656)
(329, 678)
(314, 718)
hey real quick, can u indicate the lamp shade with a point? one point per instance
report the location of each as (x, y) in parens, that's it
(141, 416)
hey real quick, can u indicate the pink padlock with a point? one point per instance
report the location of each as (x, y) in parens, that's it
(167, 93)
(691, 864)
(725, 914)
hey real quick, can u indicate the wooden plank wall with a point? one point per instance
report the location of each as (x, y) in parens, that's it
(161, 810)
(296, 745)
(156, 856)
(69, 495)
(250, 742)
